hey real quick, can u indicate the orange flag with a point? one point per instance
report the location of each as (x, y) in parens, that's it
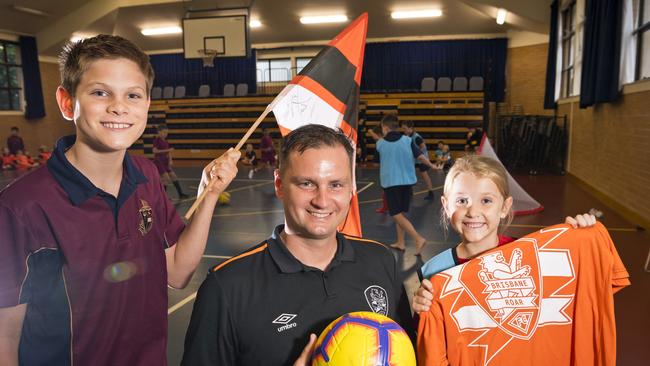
(326, 92)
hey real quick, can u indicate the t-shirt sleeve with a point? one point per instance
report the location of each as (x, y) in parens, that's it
(415, 149)
(211, 337)
(620, 278)
(418, 140)
(16, 243)
(431, 346)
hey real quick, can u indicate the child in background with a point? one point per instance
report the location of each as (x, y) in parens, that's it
(476, 203)
(250, 159)
(23, 161)
(8, 160)
(43, 154)
(163, 159)
(267, 149)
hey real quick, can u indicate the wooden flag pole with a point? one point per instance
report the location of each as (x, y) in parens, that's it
(241, 143)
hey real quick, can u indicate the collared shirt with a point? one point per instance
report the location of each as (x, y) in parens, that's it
(90, 266)
(259, 307)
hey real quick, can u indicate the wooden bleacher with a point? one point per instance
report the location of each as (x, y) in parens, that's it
(201, 129)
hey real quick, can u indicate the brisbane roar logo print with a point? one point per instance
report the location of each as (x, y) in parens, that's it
(510, 293)
(511, 290)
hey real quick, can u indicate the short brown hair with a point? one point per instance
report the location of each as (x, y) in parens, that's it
(313, 136)
(77, 56)
(391, 121)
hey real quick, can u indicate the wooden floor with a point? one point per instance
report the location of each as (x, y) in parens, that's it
(254, 212)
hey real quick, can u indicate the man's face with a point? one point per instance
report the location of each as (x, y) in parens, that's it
(110, 106)
(315, 189)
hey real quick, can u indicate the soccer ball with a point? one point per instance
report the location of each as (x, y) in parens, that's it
(363, 339)
(224, 198)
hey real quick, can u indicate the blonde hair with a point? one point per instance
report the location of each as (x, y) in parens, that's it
(480, 167)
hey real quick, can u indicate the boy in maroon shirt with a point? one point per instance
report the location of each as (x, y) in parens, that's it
(90, 242)
(15, 142)
(163, 159)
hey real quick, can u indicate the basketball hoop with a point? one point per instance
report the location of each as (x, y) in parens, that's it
(208, 56)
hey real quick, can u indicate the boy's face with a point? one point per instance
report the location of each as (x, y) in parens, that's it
(110, 106)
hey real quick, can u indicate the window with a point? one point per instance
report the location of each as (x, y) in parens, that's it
(301, 62)
(568, 30)
(641, 13)
(274, 70)
(11, 77)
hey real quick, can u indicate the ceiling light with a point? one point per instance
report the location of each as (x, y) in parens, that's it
(254, 23)
(501, 16)
(32, 11)
(425, 13)
(324, 19)
(161, 31)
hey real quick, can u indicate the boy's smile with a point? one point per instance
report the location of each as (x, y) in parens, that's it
(110, 105)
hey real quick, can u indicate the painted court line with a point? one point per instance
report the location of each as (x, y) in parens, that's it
(365, 187)
(217, 256)
(181, 303)
(192, 296)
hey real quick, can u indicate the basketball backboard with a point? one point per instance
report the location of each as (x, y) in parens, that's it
(227, 34)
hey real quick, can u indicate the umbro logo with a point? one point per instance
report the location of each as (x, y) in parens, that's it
(285, 320)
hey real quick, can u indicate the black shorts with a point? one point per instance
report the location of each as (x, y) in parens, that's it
(398, 199)
(422, 167)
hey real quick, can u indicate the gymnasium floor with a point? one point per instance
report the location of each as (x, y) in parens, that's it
(254, 212)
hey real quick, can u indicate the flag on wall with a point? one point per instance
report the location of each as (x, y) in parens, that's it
(326, 92)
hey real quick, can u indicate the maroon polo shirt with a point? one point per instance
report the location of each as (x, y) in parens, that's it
(90, 266)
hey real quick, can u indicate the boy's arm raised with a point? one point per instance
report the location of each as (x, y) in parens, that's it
(184, 257)
(11, 326)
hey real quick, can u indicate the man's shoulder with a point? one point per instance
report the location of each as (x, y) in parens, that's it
(368, 246)
(241, 264)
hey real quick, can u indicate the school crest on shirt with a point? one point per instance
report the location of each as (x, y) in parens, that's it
(146, 218)
(510, 292)
(377, 299)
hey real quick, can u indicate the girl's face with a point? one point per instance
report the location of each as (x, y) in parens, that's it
(249, 147)
(475, 207)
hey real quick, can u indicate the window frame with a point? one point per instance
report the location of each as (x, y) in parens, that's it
(269, 61)
(4, 63)
(568, 37)
(639, 32)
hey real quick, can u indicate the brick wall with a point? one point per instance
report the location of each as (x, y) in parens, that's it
(610, 151)
(526, 78)
(42, 131)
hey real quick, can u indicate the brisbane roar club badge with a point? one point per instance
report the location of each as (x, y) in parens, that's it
(377, 299)
(146, 218)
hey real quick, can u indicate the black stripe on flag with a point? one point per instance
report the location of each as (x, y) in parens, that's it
(352, 107)
(333, 71)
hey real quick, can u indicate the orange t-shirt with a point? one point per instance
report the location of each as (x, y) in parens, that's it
(8, 159)
(545, 299)
(22, 161)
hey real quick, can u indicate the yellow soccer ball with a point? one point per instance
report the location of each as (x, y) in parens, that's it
(363, 339)
(224, 198)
